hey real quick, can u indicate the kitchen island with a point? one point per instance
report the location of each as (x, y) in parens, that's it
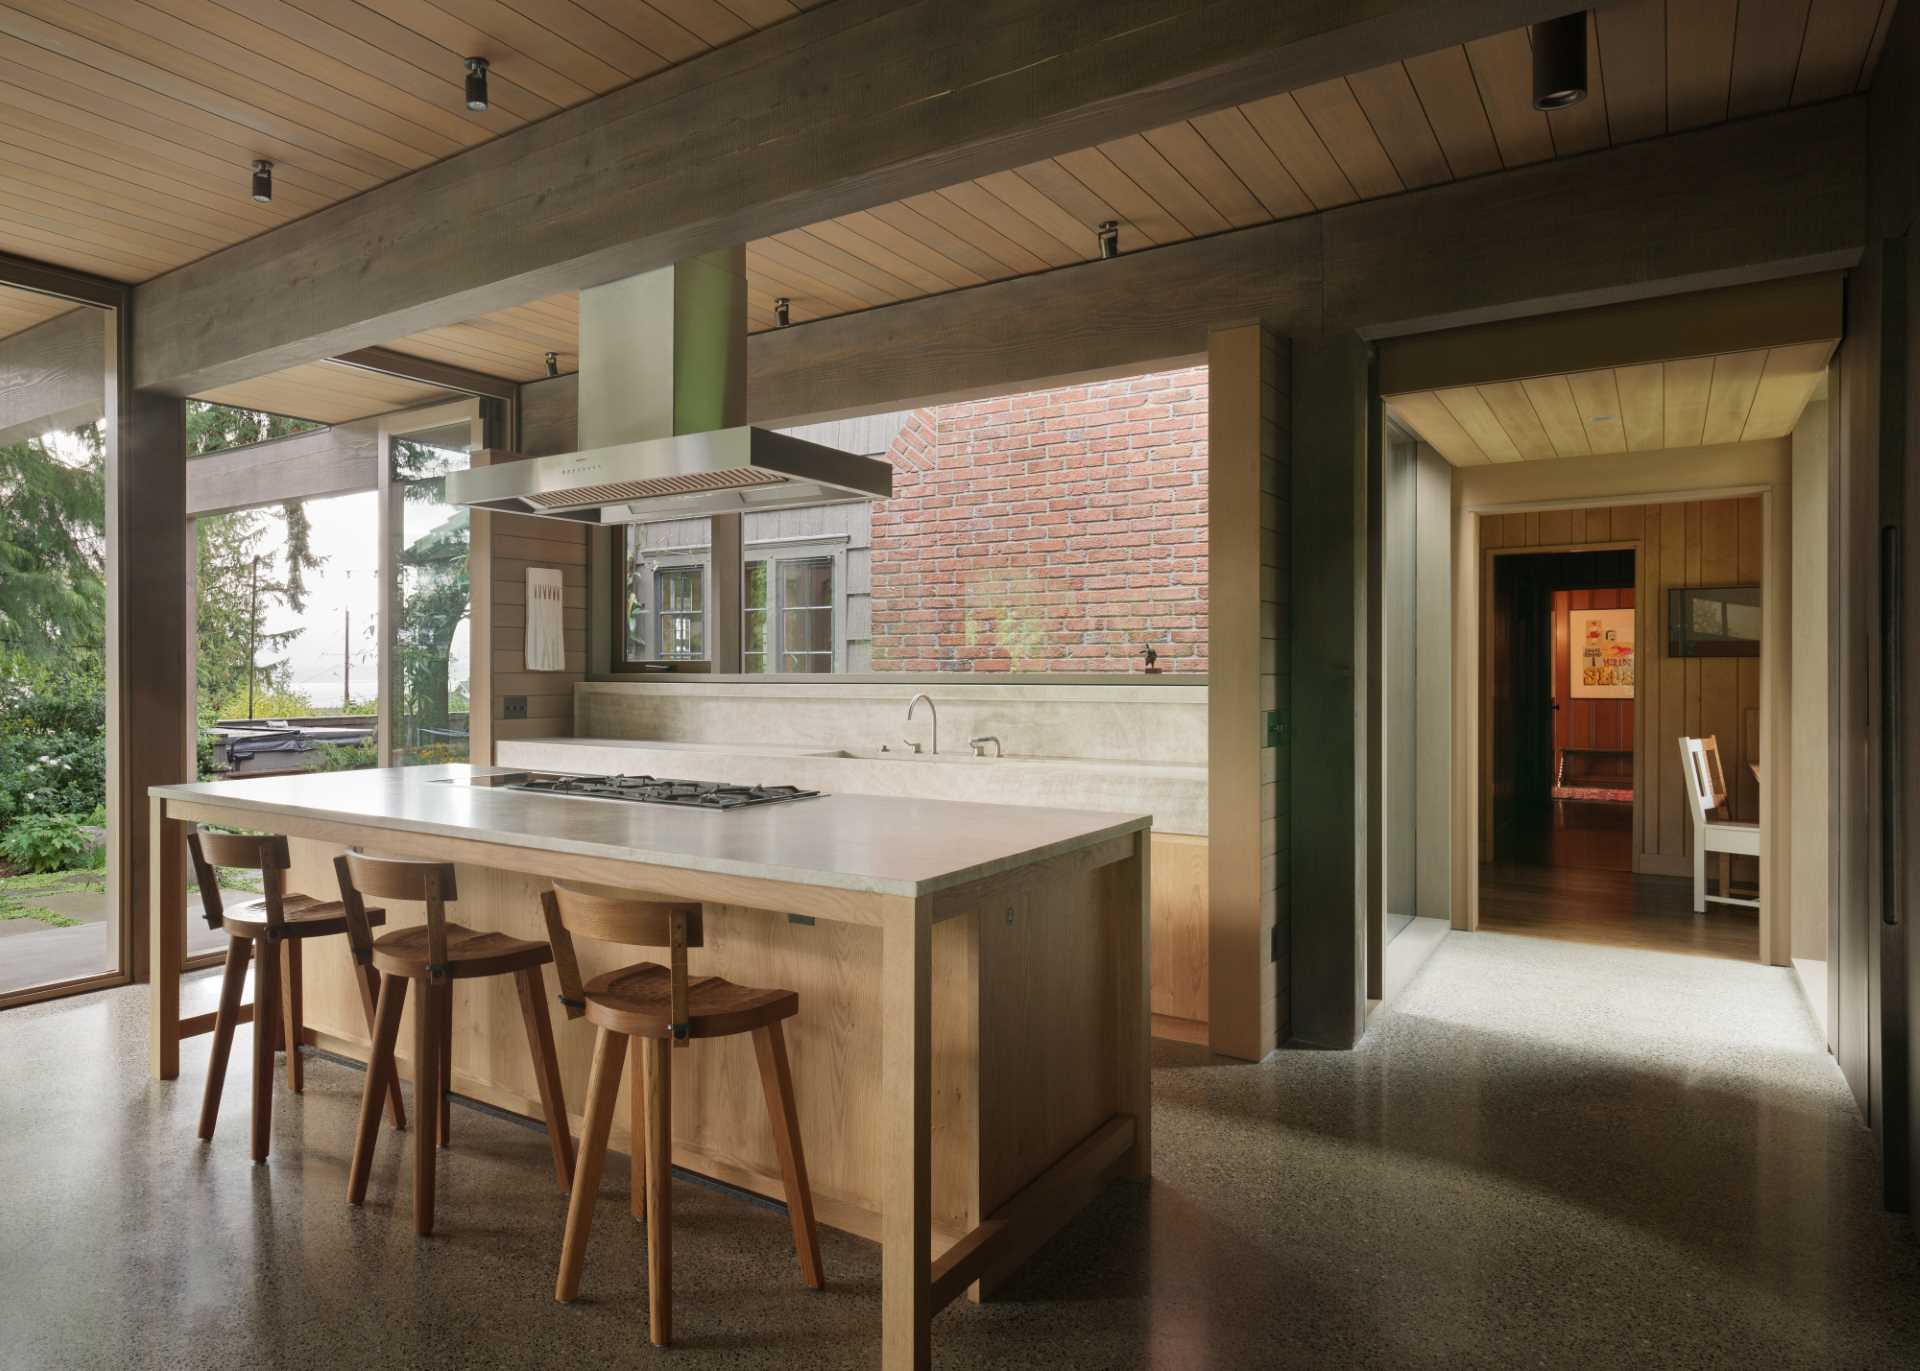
(971, 1053)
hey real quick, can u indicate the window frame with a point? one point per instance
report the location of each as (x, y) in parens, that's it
(773, 551)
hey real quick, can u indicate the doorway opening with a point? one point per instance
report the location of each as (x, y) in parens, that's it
(1583, 836)
(1563, 741)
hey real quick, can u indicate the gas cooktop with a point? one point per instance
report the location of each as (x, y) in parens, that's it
(657, 790)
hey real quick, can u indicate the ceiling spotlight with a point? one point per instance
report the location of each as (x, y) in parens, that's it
(553, 364)
(1110, 238)
(263, 182)
(1560, 61)
(477, 84)
(781, 312)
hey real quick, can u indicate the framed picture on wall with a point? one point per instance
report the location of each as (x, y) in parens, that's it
(1601, 663)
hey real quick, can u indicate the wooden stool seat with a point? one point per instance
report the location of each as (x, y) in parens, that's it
(302, 916)
(408, 952)
(638, 1001)
(431, 957)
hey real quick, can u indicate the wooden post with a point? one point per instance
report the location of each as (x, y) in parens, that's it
(1246, 542)
(149, 693)
(166, 941)
(1333, 432)
(906, 1187)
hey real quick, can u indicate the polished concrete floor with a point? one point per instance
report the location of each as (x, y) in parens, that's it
(1543, 1155)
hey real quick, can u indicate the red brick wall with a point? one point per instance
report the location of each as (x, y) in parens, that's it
(1061, 530)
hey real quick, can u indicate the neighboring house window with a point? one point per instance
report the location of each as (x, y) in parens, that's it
(789, 613)
(680, 613)
(665, 583)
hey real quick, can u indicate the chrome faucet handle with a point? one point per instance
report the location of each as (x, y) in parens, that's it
(911, 746)
(979, 745)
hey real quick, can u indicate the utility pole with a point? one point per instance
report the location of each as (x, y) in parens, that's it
(346, 661)
(253, 626)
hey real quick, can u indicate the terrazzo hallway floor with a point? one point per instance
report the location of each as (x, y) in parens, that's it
(1545, 1155)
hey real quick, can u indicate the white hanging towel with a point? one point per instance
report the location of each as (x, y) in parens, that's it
(546, 643)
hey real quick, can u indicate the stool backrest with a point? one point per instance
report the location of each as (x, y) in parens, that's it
(398, 878)
(635, 921)
(264, 853)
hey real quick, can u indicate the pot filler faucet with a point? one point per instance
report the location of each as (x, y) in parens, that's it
(914, 704)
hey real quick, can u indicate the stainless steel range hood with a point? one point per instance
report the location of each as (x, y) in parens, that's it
(663, 369)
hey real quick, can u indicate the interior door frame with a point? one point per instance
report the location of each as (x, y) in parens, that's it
(1630, 486)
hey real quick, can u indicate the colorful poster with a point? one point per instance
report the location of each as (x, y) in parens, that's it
(1602, 657)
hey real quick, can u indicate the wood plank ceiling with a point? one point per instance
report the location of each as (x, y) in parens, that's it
(22, 309)
(1658, 67)
(127, 130)
(1690, 402)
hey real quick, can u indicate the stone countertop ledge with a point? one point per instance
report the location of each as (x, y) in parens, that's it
(1174, 795)
(888, 845)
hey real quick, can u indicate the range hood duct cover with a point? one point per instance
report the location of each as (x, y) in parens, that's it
(662, 416)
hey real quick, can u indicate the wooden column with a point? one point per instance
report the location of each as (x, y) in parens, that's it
(1333, 433)
(1246, 539)
(148, 693)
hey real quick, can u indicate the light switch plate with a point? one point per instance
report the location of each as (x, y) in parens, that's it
(513, 707)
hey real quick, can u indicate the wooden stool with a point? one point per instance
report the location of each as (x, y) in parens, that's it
(653, 1006)
(436, 954)
(255, 931)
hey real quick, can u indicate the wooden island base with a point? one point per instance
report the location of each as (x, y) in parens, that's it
(971, 1064)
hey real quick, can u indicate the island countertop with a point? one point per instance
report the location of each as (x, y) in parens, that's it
(886, 845)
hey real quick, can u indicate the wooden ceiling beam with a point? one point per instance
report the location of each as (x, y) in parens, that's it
(1800, 309)
(848, 105)
(1793, 183)
(53, 376)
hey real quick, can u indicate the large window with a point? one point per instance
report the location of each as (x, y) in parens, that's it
(1062, 531)
(429, 602)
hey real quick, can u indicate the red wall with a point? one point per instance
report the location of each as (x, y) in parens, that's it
(1588, 723)
(1061, 530)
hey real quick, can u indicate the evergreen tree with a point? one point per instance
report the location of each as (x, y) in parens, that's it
(53, 546)
(239, 584)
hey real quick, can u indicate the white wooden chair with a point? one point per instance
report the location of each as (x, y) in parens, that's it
(1706, 792)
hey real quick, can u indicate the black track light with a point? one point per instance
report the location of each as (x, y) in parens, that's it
(477, 84)
(553, 364)
(263, 182)
(1560, 61)
(1110, 239)
(782, 313)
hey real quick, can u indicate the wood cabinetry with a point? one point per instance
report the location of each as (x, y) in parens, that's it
(1180, 936)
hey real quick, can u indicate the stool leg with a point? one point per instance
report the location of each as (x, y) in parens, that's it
(659, 1091)
(426, 1103)
(443, 1059)
(233, 983)
(1699, 877)
(368, 980)
(546, 1071)
(603, 1085)
(380, 1077)
(637, 1127)
(292, 996)
(776, 1079)
(266, 1019)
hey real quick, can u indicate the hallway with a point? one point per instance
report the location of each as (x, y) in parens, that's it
(1544, 1154)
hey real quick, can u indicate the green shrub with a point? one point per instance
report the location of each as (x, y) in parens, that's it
(344, 757)
(48, 842)
(52, 773)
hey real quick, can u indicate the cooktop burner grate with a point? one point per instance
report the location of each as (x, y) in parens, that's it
(660, 790)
